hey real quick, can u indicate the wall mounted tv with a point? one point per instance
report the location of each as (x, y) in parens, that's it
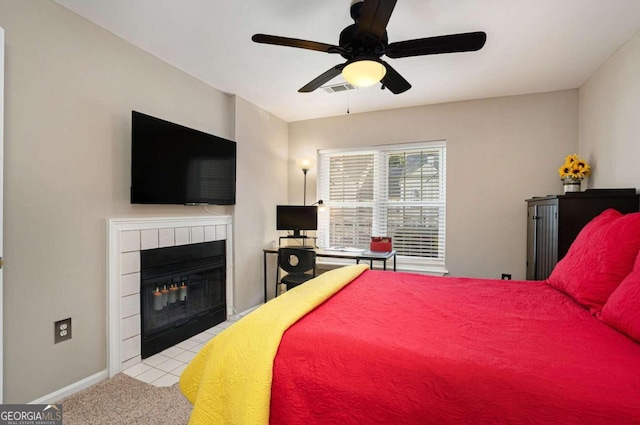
(173, 164)
(296, 218)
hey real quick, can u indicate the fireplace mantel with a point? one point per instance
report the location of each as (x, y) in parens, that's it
(126, 237)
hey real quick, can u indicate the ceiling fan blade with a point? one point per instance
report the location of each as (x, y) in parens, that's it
(394, 81)
(375, 17)
(295, 42)
(454, 43)
(321, 79)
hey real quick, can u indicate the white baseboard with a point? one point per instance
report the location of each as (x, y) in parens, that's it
(238, 316)
(72, 389)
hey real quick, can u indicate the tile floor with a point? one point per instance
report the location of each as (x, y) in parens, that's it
(164, 369)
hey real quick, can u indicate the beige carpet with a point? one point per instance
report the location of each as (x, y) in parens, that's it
(123, 400)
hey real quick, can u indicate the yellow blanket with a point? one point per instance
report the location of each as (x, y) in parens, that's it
(229, 380)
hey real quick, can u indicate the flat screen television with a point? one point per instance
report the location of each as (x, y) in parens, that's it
(296, 218)
(173, 164)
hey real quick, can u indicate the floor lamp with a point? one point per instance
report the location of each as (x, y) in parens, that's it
(305, 165)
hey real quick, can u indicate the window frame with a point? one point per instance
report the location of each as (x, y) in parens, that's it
(381, 202)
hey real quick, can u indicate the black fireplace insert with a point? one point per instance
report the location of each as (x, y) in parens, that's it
(182, 293)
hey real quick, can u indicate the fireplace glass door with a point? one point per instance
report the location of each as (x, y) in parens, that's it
(182, 293)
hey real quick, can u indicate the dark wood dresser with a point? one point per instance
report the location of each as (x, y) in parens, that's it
(554, 221)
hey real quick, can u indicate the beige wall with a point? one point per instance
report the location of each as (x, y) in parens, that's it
(499, 152)
(70, 88)
(609, 119)
(262, 173)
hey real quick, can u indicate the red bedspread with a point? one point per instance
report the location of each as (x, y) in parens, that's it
(399, 348)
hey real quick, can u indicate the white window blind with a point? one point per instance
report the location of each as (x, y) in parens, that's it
(397, 191)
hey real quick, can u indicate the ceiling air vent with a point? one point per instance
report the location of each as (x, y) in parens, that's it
(336, 88)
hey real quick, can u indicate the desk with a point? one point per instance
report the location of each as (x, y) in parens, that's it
(329, 253)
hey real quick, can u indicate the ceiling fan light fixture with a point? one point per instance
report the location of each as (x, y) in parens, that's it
(364, 72)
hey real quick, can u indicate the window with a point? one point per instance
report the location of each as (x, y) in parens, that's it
(397, 191)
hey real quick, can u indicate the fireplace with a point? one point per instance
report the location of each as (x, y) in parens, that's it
(127, 238)
(182, 293)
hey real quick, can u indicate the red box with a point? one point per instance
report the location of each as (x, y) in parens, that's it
(380, 244)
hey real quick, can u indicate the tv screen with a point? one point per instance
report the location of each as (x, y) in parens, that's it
(296, 218)
(173, 164)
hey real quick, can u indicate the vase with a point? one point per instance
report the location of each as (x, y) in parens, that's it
(571, 185)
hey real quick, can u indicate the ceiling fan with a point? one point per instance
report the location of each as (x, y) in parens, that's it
(363, 44)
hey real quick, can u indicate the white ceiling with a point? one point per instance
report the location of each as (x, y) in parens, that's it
(532, 46)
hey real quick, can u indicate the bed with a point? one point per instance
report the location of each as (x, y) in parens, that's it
(356, 346)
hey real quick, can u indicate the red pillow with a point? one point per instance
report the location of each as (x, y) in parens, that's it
(622, 310)
(599, 259)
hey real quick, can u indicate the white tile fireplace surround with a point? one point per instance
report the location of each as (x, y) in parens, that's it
(125, 239)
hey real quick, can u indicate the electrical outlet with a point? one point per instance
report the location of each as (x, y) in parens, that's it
(506, 276)
(62, 330)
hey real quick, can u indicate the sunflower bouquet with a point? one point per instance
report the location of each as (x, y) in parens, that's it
(574, 168)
